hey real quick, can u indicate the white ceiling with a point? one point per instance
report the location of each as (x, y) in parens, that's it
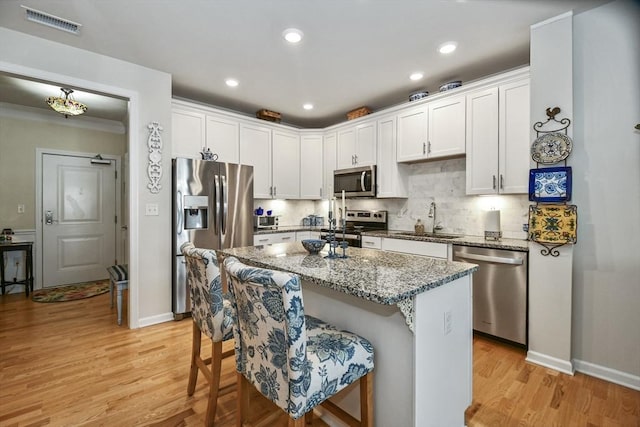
(354, 52)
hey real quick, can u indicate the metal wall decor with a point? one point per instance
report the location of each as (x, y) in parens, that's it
(551, 225)
(154, 170)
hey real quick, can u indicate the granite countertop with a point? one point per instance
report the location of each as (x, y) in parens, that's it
(286, 229)
(464, 240)
(382, 277)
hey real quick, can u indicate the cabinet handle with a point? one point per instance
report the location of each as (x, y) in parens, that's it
(271, 191)
(263, 240)
(501, 182)
(429, 147)
(321, 192)
(274, 191)
(355, 156)
(353, 160)
(494, 182)
(424, 148)
(286, 238)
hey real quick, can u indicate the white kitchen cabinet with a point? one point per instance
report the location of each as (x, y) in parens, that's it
(223, 138)
(255, 150)
(446, 128)
(187, 132)
(285, 165)
(498, 139)
(271, 238)
(311, 167)
(392, 177)
(328, 163)
(414, 247)
(371, 242)
(433, 130)
(356, 145)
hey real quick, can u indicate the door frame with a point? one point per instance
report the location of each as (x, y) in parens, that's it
(40, 152)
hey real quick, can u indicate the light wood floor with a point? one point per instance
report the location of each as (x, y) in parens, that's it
(69, 364)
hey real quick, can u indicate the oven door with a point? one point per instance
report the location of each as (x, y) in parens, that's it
(354, 240)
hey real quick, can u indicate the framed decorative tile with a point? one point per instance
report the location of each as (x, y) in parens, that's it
(555, 224)
(550, 184)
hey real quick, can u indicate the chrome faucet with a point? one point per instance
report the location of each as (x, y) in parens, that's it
(432, 215)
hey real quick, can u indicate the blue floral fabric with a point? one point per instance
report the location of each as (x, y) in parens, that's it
(294, 360)
(210, 308)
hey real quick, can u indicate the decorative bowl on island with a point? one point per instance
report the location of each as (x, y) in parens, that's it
(313, 246)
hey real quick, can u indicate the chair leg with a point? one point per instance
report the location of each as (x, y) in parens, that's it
(214, 384)
(366, 400)
(242, 400)
(119, 303)
(111, 291)
(308, 417)
(195, 353)
(300, 422)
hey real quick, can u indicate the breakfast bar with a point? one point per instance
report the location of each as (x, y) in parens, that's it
(415, 310)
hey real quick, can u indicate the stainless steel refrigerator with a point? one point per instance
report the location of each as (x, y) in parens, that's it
(213, 209)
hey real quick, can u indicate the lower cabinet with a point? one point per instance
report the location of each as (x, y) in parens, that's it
(432, 249)
(271, 238)
(304, 235)
(371, 242)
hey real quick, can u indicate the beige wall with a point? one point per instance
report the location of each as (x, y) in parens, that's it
(19, 139)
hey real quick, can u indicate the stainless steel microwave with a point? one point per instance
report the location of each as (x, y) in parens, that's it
(265, 222)
(356, 182)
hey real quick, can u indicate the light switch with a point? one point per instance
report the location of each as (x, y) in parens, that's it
(20, 209)
(151, 209)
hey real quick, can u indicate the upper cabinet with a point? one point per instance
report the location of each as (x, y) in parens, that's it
(432, 130)
(255, 150)
(392, 177)
(356, 145)
(498, 139)
(286, 165)
(223, 138)
(328, 163)
(187, 132)
(311, 169)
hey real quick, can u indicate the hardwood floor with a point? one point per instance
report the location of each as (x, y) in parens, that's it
(69, 364)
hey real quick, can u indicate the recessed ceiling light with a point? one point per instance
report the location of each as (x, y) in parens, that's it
(308, 106)
(416, 76)
(292, 35)
(447, 47)
(231, 82)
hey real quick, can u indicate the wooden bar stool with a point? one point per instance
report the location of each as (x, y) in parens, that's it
(119, 276)
(211, 314)
(296, 361)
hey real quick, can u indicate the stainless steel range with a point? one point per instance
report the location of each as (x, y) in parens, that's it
(357, 223)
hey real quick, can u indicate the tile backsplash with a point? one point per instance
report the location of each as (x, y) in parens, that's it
(442, 182)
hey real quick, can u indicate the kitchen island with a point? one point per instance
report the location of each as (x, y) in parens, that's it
(416, 311)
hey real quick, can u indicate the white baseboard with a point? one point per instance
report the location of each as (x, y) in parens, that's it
(561, 365)
(154, 320)
(617, 377)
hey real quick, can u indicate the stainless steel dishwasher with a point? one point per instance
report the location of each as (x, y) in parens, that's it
(499, 291)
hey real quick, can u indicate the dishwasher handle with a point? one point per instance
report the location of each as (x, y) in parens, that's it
(487, 258)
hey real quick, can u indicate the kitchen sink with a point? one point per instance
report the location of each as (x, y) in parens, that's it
(433, 235)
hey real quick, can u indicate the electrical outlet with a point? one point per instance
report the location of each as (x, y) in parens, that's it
(20, 209)
(448, 322)
(151, 209)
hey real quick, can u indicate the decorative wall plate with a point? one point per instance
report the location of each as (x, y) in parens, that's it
(550, 184)
(555, 224)
(551, 147)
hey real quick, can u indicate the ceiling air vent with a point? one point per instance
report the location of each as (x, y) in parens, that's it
(52, 21)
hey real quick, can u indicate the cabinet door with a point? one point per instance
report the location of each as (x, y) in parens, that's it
(262, 239)
(283, 237)
(482, 142)
(365, 154)
(255, 150)
(514, 137)
(346, 148)
(391, 176)
(187, 133)
(223, 138)
(311, 170)
(329, 163)
(412, 134)
(446, 128)
(286, 165)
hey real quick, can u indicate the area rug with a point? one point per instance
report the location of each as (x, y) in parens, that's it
(71, 292)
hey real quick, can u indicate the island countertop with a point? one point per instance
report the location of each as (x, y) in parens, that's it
(381, 277)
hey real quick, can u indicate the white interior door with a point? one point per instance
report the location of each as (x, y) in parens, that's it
(79, 226)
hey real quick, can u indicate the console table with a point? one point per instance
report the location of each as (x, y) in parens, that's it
(27, 247)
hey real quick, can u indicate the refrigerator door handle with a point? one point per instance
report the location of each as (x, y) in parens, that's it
(225, 205)
(180, 213)
(216, 211)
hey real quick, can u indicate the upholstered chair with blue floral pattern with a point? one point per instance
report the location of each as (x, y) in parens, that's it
(211, 314)
(296, 361)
